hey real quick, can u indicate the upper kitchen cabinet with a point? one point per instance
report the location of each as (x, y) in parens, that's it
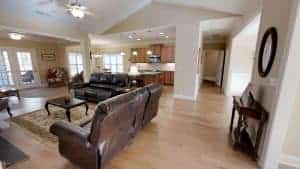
(156, 49)
(168, 54)
(139, 55)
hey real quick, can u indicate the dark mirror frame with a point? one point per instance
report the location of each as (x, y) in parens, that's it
(274, 36)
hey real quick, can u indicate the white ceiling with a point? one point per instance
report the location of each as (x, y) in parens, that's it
(51, 16)
(4, 34)
(147, 36)
(106, 12)
(230, 6)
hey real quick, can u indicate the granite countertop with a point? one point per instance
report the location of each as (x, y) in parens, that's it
(150, 73)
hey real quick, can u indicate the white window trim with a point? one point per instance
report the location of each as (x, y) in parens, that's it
(117, 65)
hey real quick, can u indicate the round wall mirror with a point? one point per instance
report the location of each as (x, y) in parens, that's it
(267, 52)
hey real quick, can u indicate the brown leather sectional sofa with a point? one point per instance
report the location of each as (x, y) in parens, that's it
(116, 121)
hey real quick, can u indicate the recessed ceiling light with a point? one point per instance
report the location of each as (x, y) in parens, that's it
(15, 36)
(138, 39)
(161, 33)
(166, 36)
(130, 37)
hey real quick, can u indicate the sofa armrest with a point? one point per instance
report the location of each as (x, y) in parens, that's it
(69, 132)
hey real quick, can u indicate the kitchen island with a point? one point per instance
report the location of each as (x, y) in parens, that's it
(163, 77)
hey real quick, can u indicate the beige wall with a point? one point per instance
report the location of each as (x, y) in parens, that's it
(40, 47)
(292, 143)
(267, 90)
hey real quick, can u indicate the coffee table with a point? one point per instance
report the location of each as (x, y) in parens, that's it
(9, 91)
(67, 104)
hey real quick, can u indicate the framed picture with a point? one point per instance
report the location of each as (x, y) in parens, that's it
(48, 57)
(267, 52)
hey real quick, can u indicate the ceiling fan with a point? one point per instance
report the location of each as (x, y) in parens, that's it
(77, 10)
(74, 7)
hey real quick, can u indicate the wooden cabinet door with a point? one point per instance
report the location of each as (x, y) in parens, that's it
(162, 78)
(133, 58)
(172, 78)
(143, 55)
(156, 49)
(168, 78)
(172, 54)
(164, 55)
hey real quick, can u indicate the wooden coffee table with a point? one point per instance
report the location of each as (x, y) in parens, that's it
(9, 91)
(67, 104)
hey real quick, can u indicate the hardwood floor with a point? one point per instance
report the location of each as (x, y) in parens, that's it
(185, 135)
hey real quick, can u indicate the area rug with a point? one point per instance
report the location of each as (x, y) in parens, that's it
(38, 123)
(10, 154)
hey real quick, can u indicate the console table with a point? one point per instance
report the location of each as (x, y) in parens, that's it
(247, 107)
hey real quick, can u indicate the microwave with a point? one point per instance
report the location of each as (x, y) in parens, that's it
(154, 59)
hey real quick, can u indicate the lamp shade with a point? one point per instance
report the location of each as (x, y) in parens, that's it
(133, 71)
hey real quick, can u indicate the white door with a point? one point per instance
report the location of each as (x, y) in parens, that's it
(6, 78)
(27, 69)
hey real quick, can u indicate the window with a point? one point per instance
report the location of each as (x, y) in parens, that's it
(75, 63)
(26, 67)
(5, 71)
(113, 62)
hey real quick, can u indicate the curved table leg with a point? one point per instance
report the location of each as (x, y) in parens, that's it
(9, 112)
(68, 113)
(47, 108)
(86, 109)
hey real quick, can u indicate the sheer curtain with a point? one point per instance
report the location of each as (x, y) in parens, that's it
(75, 63)
(113, 62)
(5, 70)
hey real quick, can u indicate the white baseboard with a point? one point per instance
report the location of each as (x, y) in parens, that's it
(290, 160)
(185, 97)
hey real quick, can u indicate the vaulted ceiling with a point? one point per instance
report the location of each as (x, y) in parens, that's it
(50, 17)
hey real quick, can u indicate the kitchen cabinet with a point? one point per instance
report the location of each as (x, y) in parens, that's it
(156, 49)
(141, 56)
(168, 54)
(149, 78)
(167, 78)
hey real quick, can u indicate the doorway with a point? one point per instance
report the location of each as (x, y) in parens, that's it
(213, 66)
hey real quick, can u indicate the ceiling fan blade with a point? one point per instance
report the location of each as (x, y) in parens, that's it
(89, 13)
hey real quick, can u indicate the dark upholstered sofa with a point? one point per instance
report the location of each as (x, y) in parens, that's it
(101, 86)
(116, 121)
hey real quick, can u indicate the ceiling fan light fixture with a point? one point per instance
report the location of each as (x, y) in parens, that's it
(15, 36)
(77, 13)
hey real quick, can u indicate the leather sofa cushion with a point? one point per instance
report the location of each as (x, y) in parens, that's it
(100, 94)
(80, 92)
(105, 86)
(120, 80)
(101, 78)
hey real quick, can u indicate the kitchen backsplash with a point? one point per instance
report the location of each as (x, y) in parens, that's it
(161, 66)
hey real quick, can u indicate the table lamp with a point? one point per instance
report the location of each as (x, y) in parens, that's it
(133, 73)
